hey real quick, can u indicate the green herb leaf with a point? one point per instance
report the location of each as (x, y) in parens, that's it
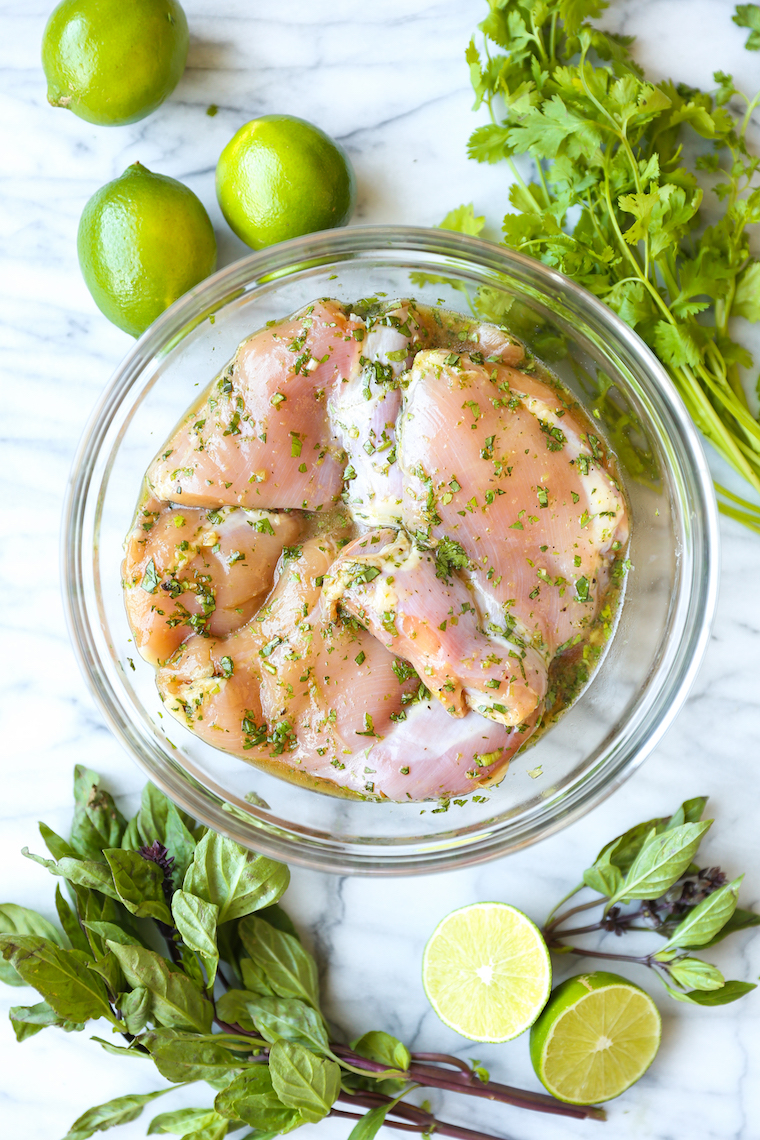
(196, 921)
(30, 1019)
(370, 1124)
(16, 919)
(694, 972)
(706, 919)
(139, 884)
(604, 877)
(739, 920)
(661, 860)
(113, 1112)
(463, 221)
(383, 1048)
(81, 872)
(60, 976)
(176, 1002)
(288, 968)
(136, 1009)
(185, 1121)
(235, 880)
(302, 1080)
(748, 16)
(70, 923)
(729, 992)
(97, 823)
(286, 1019)
(181, 1057)
(251, 1097)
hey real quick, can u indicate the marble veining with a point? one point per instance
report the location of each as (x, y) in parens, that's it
(390, 81)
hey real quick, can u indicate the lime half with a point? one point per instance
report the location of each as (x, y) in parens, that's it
(597, 1036)
(487, 972)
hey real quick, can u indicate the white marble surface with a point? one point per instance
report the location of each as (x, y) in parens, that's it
(389, 80)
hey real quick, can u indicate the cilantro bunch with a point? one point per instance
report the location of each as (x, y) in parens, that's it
(173, 935)
(647, 880)
(615, 205)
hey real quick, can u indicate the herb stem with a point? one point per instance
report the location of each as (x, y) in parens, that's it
(445, 1059)
(431, 1077)
(550, 926)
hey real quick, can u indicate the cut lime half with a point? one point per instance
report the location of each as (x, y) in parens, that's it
(598, 1034)
(487, 972)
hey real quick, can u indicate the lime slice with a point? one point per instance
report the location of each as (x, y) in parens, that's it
(486, 971)
(597, 1036)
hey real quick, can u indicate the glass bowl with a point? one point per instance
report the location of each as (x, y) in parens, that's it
(664, 619)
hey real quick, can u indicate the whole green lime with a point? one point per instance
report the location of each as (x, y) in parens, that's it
(144, 240)
(114, 61)
(280, 177)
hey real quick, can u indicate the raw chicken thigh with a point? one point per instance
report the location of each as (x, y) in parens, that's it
(360, 554)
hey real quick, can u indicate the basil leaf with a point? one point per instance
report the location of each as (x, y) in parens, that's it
(690, 811)
(70, 923)
(130, 840)
(30, 1019)
(113, 1112)
(57, 846)
(181, 1057)
(60, 977)
(16, 919)
(385, 1049)
(176, 1002)
(110, 971)
(661, 861)
(120, 1050)
(196, 921)
(302, 1080)
(707, 918)
(187, 1120)
(135, 1009)
(97, 823)
(81, 872)
(370, 1124)
(694, 972)
(288, 968)
(604, 877)
(628, 845)
(251, 1097)
(179, 841)
(729, 992)
(254, 979)
(110, 931)
(232, 1007)
(739, 920)
(139, 884)
(157, 820)
(237, 881)
(287, 1019)
(279, 919)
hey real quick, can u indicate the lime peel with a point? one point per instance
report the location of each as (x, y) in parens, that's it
(487, 972)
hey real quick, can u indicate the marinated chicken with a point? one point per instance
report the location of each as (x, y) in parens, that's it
(365, 552)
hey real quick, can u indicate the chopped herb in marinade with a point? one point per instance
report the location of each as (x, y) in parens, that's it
(581, 589)
(403, 670)
(555, 437)
(228, 666)
(449, 556)
(150, 578)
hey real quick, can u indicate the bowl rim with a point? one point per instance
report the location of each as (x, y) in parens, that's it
(198, 303)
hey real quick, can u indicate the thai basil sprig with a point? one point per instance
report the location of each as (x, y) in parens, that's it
(647, 880)
(174, 936)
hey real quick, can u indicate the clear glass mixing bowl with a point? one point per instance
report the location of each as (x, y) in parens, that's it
(664, 619)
